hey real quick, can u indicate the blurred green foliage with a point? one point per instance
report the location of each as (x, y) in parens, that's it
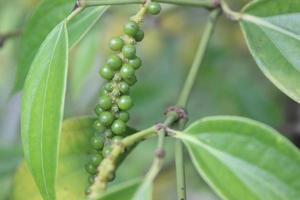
(229, 83)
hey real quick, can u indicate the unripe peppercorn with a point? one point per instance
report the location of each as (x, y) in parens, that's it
(131, 28)
(105, 102)
(106, 118)
(125, 102)
(88, 191)
(136, 63)
(108, 87)
(108, 133)
(106, 72)
(117, 139)
(124, 116)
(106, 150)
(118, 127)
(90, 168)
(131, 81)
(116, 44)
(124, 87)
(96, 159)
(129, 51)
(139, 36)
(127, 71)
(98, 126)
(97, 142)
(91, 179)
(114, 62)
(154, 8)
(98, 110)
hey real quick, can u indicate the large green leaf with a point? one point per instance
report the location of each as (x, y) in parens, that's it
(42, 109)
(271, 28)
(244, 159)
(43, 20)
(73, 154)
(71, 175)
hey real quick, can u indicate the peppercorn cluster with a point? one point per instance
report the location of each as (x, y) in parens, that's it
(115, 101)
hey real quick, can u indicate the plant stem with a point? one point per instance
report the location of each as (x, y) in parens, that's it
(199, 3)
(75, 12)
(160, 153)
(184, 97)
(137, 137)
(109, 2)
(188, 86)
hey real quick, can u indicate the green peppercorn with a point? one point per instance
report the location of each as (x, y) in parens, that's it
(98, 126)
(124, 87)
(91, 169)
(114, 62)
(131, 81)
(97, 142)
(129, 51)
(125, 102)
(106, 118)
(136, 63)
(127, 71)
(88, 191)
(105, 102)
(96, 159)
(98, 110)
(117, 139)
(118, 127)
(116, 44)
(108, 87)
(108, 133)
(154, 8)
(124, 116)
(91, 179)
(131, 28)
(139, 36)
(106, 72)
(106, 150)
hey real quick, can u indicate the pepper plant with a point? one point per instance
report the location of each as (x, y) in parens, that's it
(239, 158)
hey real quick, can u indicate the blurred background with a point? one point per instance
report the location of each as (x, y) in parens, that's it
(229, 83)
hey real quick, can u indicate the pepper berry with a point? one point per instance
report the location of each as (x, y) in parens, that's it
(118, 127)
(131, 28)
(116, 44)
(129, 51)
(154, 8)
(114, 62)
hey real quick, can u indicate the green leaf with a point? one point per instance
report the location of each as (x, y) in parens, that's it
(80, 25)
(83, 62)
(71, 175)
(244, 159)
(272, 32)
(42, 109)
(44, 19)
(122, 191)
(72, 179)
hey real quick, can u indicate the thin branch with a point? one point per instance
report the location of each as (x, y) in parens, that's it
(188, 86)
(184, 97)
(198, 3)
